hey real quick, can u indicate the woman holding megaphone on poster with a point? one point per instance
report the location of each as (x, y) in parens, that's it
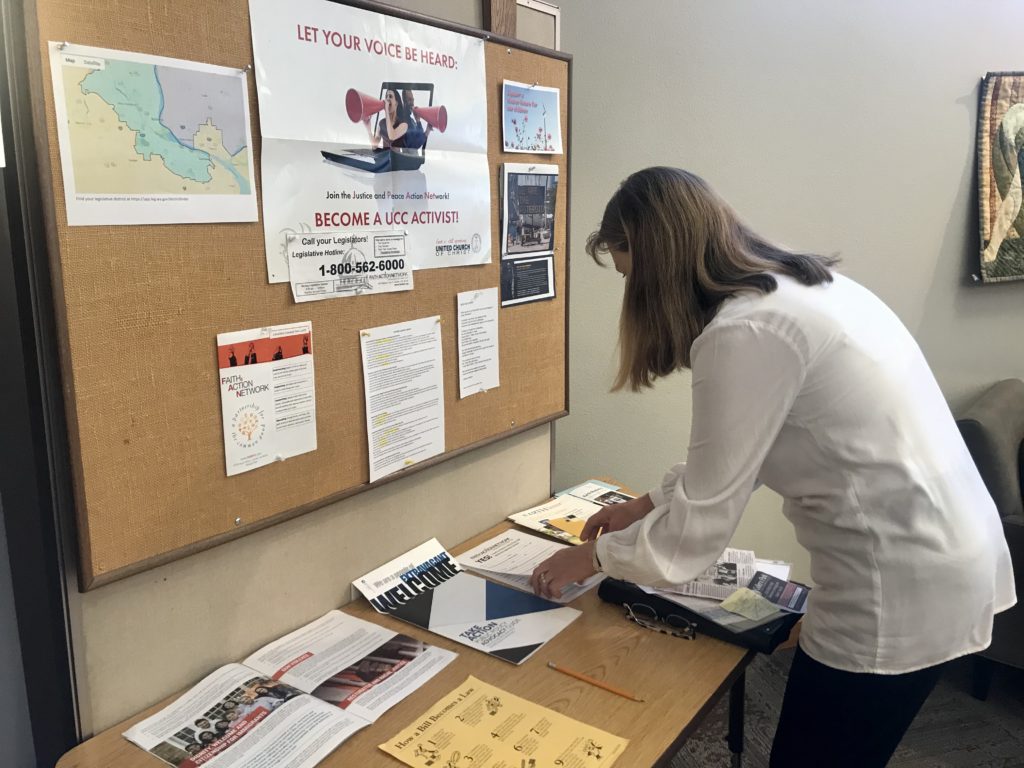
(391, 130)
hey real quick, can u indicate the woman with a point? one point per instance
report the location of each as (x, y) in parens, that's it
(805, 382)
(391, 130)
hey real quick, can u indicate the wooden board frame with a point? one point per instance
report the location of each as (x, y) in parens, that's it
(138, 359)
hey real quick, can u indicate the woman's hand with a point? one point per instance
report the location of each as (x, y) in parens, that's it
(616, 517)
(563, 568)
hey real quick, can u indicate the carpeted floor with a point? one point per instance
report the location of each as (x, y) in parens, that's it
(952, 730)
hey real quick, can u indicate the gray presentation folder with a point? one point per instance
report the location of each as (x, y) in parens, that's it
(764, 638)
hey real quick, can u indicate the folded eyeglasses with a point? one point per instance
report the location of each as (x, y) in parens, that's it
(672, 624)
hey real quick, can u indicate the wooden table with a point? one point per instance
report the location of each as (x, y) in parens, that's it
(680, 680)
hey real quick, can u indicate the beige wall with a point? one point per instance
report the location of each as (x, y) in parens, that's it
(145, 637)
(831, 126)
(468, 12)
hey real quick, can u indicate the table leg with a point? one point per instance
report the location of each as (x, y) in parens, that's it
(735, 735)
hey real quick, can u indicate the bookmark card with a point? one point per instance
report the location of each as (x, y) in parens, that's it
(427, 588)
(790, 596)
(267, 395)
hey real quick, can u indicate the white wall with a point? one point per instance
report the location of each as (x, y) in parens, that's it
(830, 126)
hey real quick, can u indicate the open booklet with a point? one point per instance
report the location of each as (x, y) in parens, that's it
(511, 557)
(293, 701)
(426, 587)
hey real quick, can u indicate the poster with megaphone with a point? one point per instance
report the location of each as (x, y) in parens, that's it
(370, 122)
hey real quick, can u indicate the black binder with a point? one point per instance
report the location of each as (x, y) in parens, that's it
(764, 638)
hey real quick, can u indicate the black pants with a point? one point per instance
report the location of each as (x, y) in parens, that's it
(835, 719)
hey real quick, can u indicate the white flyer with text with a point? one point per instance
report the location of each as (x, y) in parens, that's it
(402, 378)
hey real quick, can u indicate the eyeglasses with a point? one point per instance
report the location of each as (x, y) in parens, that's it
(673, 624)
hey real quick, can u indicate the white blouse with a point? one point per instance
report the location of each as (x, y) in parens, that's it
(822, 394)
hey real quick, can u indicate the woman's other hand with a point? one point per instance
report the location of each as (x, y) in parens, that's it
(616, 517)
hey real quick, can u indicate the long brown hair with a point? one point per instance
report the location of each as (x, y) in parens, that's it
(690, 252)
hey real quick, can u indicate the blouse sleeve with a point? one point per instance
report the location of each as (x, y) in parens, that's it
(662, 493)
(746, 376)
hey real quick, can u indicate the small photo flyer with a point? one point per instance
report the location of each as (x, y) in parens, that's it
(530, 118)
(267, 395)
(528, 209)
(526, 280)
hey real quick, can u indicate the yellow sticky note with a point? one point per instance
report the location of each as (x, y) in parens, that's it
(749, 604)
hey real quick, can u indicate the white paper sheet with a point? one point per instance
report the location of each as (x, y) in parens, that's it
(267, 395)
(337, 264)
(510, 558)
(478, 341)
(402, 378)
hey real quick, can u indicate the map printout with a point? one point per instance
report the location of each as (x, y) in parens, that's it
(150, 140)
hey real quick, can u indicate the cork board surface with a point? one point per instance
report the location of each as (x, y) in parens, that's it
(139, 344)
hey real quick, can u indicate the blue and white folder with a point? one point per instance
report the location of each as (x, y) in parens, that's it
(426, 587)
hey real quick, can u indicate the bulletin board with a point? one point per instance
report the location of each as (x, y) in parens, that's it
(139, 308)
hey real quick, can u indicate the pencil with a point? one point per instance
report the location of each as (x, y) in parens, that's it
(594, 681)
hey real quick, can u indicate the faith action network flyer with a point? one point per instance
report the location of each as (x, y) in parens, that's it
(267, 395)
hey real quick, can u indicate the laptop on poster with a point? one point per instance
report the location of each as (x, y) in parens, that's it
(386, 159)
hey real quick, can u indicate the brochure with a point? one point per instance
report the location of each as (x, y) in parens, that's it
(267, 395)
(510, 558)
(599, 492)
(426, 587)
(790, 596)
(293, 701)
(562, 518)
